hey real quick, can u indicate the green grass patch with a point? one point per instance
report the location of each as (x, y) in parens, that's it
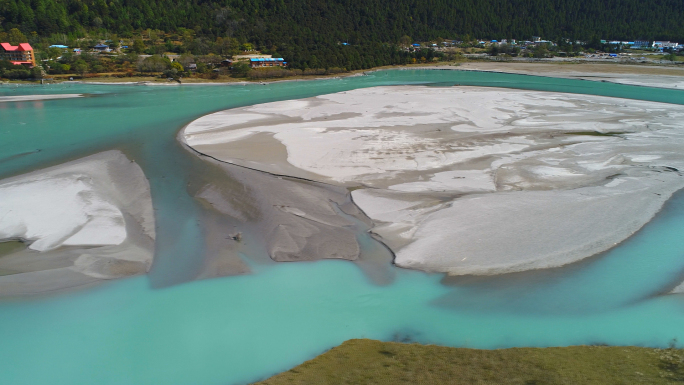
(9, 247)
(665, 57)
(374, 362)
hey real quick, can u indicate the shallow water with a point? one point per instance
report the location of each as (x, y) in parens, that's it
(240, 329)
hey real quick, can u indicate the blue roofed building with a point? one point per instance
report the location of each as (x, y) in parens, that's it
(102, 48)
(640, 44)
(267, 62)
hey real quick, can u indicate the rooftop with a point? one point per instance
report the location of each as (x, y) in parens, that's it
(239, 57)
(21, 47)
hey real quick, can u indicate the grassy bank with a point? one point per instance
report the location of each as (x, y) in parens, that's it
(532, 67)
(375, 362)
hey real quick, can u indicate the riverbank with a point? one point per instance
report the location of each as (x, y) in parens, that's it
(27, 98)
(651, 75)
(374, 362)
(660, 76)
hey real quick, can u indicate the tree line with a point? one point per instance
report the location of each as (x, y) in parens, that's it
(310, 33)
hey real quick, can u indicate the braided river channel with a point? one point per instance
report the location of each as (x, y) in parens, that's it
(166, 328)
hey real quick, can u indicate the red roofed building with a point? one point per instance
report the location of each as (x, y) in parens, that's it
(18, 54)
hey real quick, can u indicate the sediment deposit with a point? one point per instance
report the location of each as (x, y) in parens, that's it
(469, 180)
(77, 223)
(27, 98)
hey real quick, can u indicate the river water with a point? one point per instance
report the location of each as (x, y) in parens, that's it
(156, 329)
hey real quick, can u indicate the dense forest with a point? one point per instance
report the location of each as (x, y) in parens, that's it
(311, 31)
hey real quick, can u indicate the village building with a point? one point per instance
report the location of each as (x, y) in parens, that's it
(102, 48)
(621, 42)
(665, 44)
(21, 54)
(267, 62)
(251, 56)
(641, 44)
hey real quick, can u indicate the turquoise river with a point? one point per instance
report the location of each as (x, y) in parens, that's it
(161, 329)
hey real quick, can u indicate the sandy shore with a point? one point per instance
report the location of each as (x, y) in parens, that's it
(303, 221)
(279, 218)
(679, 289)
(640, 75)
(77, 223)
(26, 98)
(659, 76)
(469, 180)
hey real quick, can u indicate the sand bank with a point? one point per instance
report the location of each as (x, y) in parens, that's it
(469, 180)
(639, 75)
(25, 98)
(298, 221)
(80, 222)
(279, 218)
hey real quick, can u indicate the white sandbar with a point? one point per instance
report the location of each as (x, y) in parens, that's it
(470, 180)
(25, 98)
(91, 216)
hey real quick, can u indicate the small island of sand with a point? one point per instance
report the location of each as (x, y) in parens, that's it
(469, 180)
(75, 224)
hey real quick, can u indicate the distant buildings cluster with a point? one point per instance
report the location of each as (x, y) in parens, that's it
(454, 43)
(100, 47)
(645, 44)
(536, 40)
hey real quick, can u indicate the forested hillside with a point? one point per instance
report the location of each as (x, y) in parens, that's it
(312, 30)
(272, 21)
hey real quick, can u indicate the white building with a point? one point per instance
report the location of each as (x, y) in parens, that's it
(665, 44)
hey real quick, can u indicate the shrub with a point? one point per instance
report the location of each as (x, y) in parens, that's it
(268, 73)
(16, 73)
(240, 69)
(154, 64)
